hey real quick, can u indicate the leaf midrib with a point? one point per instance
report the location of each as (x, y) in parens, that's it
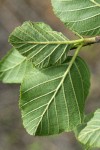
(96, 3)
(55, 93)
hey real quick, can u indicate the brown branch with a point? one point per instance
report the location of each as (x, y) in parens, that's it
(89, 43)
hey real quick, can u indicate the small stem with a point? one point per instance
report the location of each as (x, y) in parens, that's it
(73, 59)
(60, 42)
(96, 40)
(90, 40)
(69, 67)
(85, 41)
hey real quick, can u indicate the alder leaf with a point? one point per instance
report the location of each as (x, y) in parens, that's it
(13, 67)
(81, 16)
(90, 135)
(39, 43)
(80, 127)
(52, 101)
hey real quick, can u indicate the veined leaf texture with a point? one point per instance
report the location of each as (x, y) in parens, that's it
(81, 16)
(40, 44)
(51, 102)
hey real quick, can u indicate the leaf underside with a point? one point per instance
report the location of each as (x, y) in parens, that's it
(51, 103)
(80, 127)
(13, 67)
(36, 42)
(81, 16)
(90, 135)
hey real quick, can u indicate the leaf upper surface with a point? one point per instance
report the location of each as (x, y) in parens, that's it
(51, 102)
(13, 67)
(81, 16)
(36, 42)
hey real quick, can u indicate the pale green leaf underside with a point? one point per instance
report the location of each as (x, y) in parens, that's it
(81, 16)
(35, 40)
(13, 67)
(90, 135)
(52, 103)
(80, 127)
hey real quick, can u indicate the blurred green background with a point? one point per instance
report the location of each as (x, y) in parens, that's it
(12, 134)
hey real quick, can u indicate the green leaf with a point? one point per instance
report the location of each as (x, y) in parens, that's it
(52, 101)
(13, 67)
(81, 16)
(90, 135)
(39, 43)
(80, 127)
